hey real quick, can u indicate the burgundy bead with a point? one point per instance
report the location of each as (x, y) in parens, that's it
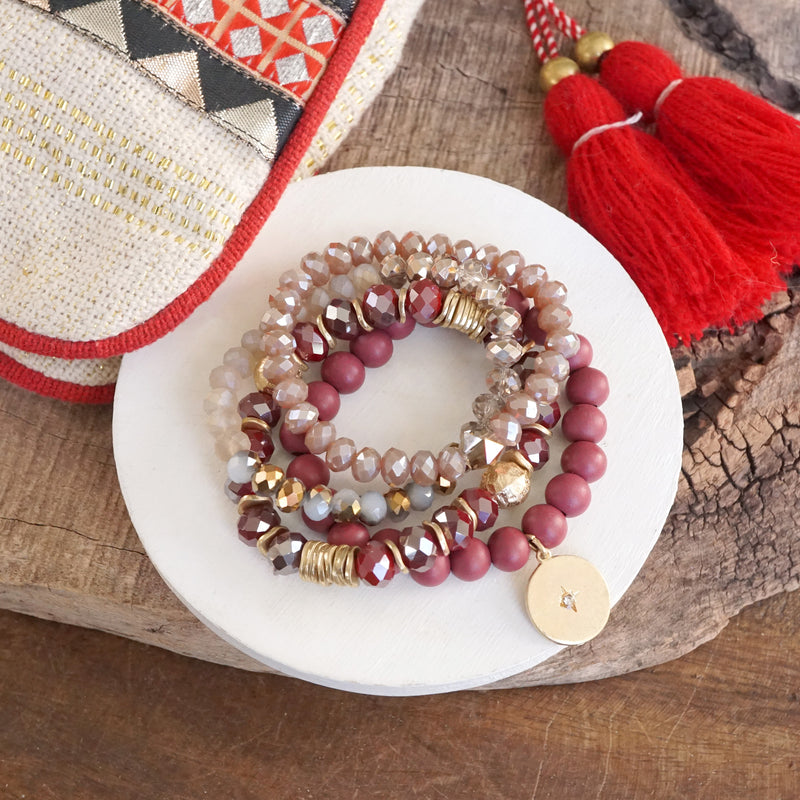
(517, 301)
(256, 521)
(424, 301)
(546, 523)
(584, 355)
(472, 562)
(322, 395)
(584, 423)
(535, 447)
(550, 414)
(531, 329)
(587, 385)
(380, 306)
(310, 344)
(436, 575)
(262, 406)
(373, 349)
(399, 330)
(318, 526)
(569, 493)
(340, 319)
(456, 526)
(260, 443)
(352, 533)
(391, 534)
(419, 548)
(375, 563)
(309, 469)
(484, 505)
(293, 442)
(509, 549)
(585, 459)
(235, 490)
(343, 371)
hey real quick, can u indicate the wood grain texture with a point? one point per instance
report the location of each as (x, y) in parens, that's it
(463, 98)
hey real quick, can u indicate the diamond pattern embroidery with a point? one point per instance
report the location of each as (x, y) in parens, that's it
(318, 29)
(291, 69)
(246, 42)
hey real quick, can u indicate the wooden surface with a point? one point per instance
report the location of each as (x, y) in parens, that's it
(87, 715)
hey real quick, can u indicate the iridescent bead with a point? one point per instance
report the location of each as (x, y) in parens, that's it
(530, 279)
(317, 303)
(398, 505)
(424, 301)
(420, 497)
(509, 266)
(253, 341)
(550, 414)
(319, 437)
(256, 521)
(393, 270)
(241, 467)
(439, 245)
(491, 293)
(506, 428)
(274, 369)
(412, 242)
(239, 360)
(471, 274)
(340, 320)
(523, 408)
(361, 250)
(463, 249)
(274, 318)
(419, 266)
(224, 378)
(485, 406)
(278, 342)
(535, 448)
(284, 552)
(364, 276)
(338, 258)
(503, 381)
(300, 418)
(342, 286)
(423, 468)
(444, 485)
(373, 508)
(309, 342)
(564, 342)
(456, 525)
(553, 364)
(419, 548)
(541, 387)
(503, 321)
(228, 444)
(550, 292)
(267, 478)
(220, 398)
(452, 463)
(445, 271)
(366, 464)
(380, 306)
(340, 454)
(479, 445)
(286, 301)
(504, 352)
(554, 316)
(222, 420)
(346, 505)
(260, 443)
(290, 494)
(375, 564)
(315, 266)
(395, 469)
(317, 503)
(289, 392)
(297, 282)
(489, 254)
(385, 244)
(483, 505)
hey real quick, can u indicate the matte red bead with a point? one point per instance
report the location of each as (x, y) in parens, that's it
(585, 459)
(531, 329)
(293, 442)
(587, 385)
(387, 533)
(484, 505)
(584, 423)
(322, 395)
(310, 344)
(399, 330)
(343, 371)
(550, 414)
(424, 301)
(374, 563)
(309, 469)
(546, 523)
(509, 549)
(262, 406)
(584, 355)
(535, 447)
(517, 301)
(380, 306)
(260, 443)
(318, 526)
(256, 521)
(436, 575)
(472, 562)
(373, 349)
(352, 533)
(569, 493)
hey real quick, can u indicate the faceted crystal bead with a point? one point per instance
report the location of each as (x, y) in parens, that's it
(393, 270)
(444, 485)
(286, 300)
(229, 444)
(241, 466)
(553, 364)
(424, 301)
(274, 318)
(398, 505)
(317, 503)
(222, 399)
(489, 254)
(554, 316)
(509, 266)
(530, 279)
(252, 341)
(564, 342)
(224, 378)
(360, 249)
(310, 344)
(452, 463)
(463, 249)
(338, 258)
(439, 245)
(419, 266)
(284, 552)
(503, 381)
(386, 244)
(342, 286)
(423, 468)
(550, 414)
(373, 508)
(503, 321)
(506, 428)
(222, 421)
(235, 491)
(290, 494)
(471, 274)
(340, 454)
(340, 320)
(445, 271)
(456, 526)
(484, 505)
(412, 242)
(296, 282)
(274, 369)
(380, 306)
(260, 443)
(301, 417)
(366, 464)
(375, 564)
(267, 478)
(346, 505)
(239, 360)
(420, 497)
(364, 276)
(315, 266)
(491, 293)
(419, 548)
(535, 447)
(262, 406)
(551, 292)
(317, 303)
(479, 445)
(485, 406)
(256, 521)
(541, 387)
(395, 469)
(523, 408)
(319, 437)
(289, 392)
(278, 342)
(504, 352)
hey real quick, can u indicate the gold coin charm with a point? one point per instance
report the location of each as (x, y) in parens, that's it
(567, 599)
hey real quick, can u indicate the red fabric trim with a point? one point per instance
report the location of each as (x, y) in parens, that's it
(242, 237)
(34, 381)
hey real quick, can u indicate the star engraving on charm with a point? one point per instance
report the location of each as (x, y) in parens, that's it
(568, 599)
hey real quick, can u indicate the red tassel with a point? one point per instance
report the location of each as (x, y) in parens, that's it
(740, 150)
(623, 193)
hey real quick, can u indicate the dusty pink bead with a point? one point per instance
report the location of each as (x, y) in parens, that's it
(319, 437)
(325, 398)
(395, 469)
(412, 242)
(309, 469)
(509, 267)
(584, 423)
(278, 342)
(366, 464)
(360, 249)
(587, 385)
(530, 278)
(276, 368)
(292, 442)
(507, 428)
(353, 533)
(541, 387)
(523, 408)
(436, 575)
(569, 493)
(553, 364)
(340, 454)
(546, 523)
(584, 355)
(373, 349)
(550, 292)
(315, 266)
(343, 371)
(563, 341)
(471, 562)
(509, 549)
(452, 463)
(585, 459)
(300, 418)
(338, 258)
(289, 392)
(423, 468)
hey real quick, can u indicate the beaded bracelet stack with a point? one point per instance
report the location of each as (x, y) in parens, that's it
(383, 289)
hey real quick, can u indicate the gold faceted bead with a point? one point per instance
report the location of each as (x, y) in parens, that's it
(556, 70)
(398, 505)
(590, 48)
(290, 494)
(444, 486)
(508, 482)
(267, 478)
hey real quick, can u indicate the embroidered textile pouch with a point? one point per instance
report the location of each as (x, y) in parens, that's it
(143, 143)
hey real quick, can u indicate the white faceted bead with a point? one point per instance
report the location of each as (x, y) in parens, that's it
(241, 467)
(317, 504)
(239, 360)
(421, 497)
(373, 508)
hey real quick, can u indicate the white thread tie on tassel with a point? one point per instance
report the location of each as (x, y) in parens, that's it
(665, 94)
(602, 128)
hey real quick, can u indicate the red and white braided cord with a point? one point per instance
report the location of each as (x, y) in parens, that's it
(538, 14)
